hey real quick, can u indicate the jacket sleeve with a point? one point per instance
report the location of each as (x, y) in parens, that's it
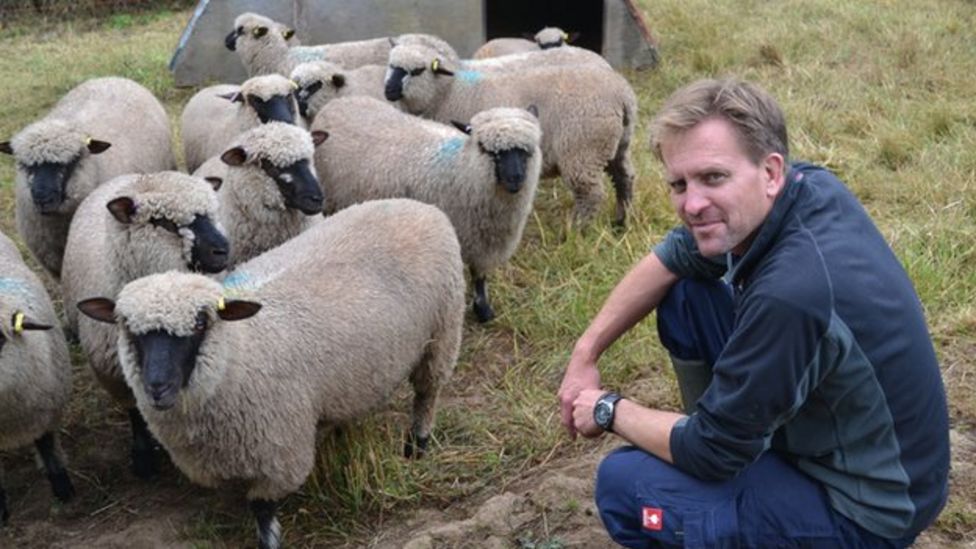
(768, 368)
(679, 253)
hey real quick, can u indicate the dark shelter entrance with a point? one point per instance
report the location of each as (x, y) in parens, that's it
(522, 19)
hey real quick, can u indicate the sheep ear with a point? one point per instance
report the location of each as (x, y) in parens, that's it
(233, 97)
(258, 32)
(319, 137)
(571, 37)
(436, 68)
(533, 110)
(238, 309)
(101, 309)
(97, 147)
(338, 80)
(6, 148)
(234, 157)
(122, 208)
(215, 182)
(528, 36)
(19, 322)
(288, 33)
(466, 128)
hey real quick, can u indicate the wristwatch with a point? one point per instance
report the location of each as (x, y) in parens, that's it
(604, 409)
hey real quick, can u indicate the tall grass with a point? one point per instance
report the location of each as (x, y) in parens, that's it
(879, 91)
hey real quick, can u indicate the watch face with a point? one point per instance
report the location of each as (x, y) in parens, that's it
(601, 414)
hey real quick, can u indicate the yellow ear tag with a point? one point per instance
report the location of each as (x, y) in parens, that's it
(294, 84)
(88, 141)
(434, 65)
(565, 37)
(221, 305)
(18, 322)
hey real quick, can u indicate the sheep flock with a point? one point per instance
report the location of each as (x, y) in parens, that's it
(305, 248)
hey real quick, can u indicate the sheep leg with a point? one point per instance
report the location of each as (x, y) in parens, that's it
(269, 530)
(482, 309)
(621, 170)
(57, 475)
(144, 463)
(588, 194)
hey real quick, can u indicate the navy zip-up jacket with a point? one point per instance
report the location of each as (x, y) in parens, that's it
(829, 363)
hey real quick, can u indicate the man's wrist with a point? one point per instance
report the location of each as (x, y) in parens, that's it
(605, 410)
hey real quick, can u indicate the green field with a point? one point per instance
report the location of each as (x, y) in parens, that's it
(882, 92)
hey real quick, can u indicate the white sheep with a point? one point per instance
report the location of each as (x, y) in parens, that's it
(130, 227)
(35, 371)
(270, 191)
(485, 183)
(548, 37)
(102, 128)
(263, 48)
(214, 116)
(349, 310)
(319, 82)
(587, 112)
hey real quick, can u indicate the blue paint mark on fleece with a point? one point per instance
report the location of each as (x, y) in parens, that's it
(15, 287)
(238, 282)
(469, 77)
(449, 150)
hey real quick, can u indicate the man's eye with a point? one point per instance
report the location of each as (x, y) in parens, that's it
(165, 224)
(678, 186)
(714, 177)
(417, 72)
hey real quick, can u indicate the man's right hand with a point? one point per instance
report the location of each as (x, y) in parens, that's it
(581, 374)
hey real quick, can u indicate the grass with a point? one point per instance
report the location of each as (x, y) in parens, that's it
(880, 91)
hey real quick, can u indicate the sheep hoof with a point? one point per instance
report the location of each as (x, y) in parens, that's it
(62, 487)
(483, 312)
(415, 447)
(619, 226)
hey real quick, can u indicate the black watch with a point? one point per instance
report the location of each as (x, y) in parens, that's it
(603, 410)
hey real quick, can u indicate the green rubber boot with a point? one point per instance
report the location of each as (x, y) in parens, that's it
(693, 376)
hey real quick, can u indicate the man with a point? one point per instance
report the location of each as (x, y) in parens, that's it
(816, 414)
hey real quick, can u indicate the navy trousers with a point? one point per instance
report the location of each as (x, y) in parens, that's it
(646, 502)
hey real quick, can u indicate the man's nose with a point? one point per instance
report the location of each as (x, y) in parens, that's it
(695, 201)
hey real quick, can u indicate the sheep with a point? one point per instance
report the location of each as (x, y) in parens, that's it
(319, 82)
(263, 48)
(66, 154)
(214, 116)
(549, 37)
(587, 113)
(485, 184)
(349, 309)
(269, 189)
(130, 227)
(35, 372)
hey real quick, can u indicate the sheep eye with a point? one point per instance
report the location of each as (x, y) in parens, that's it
(417, 72)
(164, 223)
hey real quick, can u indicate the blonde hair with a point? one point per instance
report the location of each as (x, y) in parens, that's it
(754, 114)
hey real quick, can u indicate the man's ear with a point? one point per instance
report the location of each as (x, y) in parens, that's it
(774, 169)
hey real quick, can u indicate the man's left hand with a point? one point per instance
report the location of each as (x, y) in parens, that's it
(583, 413)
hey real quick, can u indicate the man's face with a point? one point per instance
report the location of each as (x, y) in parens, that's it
(719, 193)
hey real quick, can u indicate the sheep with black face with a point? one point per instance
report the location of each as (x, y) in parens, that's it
(234, 378)
(484, 181)
(35, 371)
(270, 192)
(547, 38)
(87, 138)
(214, 116)
(130, 227)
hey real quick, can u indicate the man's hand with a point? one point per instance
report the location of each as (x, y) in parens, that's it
(581, 375)
(583, 421)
